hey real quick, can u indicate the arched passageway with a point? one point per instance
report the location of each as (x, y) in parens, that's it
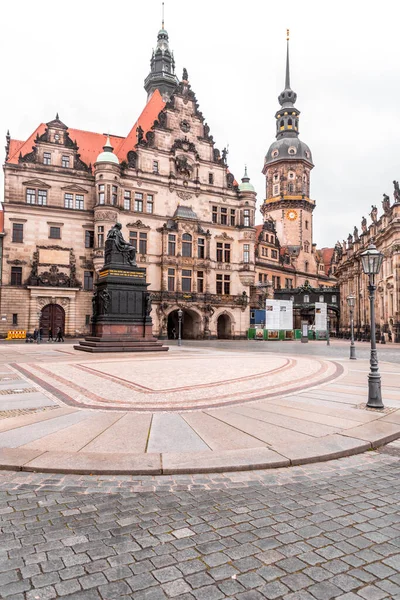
(191, 325)
(224, 327)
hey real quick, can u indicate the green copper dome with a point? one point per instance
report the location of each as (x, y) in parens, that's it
(108, 155)
(246, 186)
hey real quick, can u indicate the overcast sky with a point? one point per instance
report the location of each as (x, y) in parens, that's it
(88, 60)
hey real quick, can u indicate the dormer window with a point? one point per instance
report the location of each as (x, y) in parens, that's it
(65, 162)
(275, 153)
(276, 177)
(292, 150)
(47, 158)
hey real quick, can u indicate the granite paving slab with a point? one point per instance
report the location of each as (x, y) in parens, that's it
(129, 434)
(29, 400)
(326, 448)
(218, 435)
(95, 462)
(21, 421)
(170, 433)
(377, 433)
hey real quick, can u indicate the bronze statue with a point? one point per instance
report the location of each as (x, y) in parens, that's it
(185, 76)
(386, 203)
(147, 304)
(349, 240)
(105, 300)
(121, 245)
(374, 213)
(224, 155)
(364, 225)
(139, 133)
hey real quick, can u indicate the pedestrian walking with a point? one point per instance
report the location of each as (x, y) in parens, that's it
(60, 337)
(50, 338)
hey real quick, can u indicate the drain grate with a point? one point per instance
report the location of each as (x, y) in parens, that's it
(17, 412)
(18, 391)
(385, 411)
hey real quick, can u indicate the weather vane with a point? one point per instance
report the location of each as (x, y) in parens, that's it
(287, 32)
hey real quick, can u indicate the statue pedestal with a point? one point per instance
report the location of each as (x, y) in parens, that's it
(121, 310)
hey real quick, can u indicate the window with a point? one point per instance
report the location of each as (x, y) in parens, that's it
(214, 214)
(264, 251)
(246, 217)
(306, 299)
(306, 267)
(200, 282)
(171, 280)
(274, 253)
(15, 319)
(142, 243)
(186, 280)
(114, 195)
(260, 277)
(246, 253)
(224, 216)
(220, 248)
(155, 166)
(133, 239)
(201, 248)
(211, 178)
(30, 196)
(272, 240)
(171, 244)
(289, 284)
(306, 224)
(55, 233)
(223, 284)
(227, 253)
(100, 236)
(42, 197)
(18, 232)
(68, 201)
(88, 280)
(266, 237)
(89, 239)
(65, 162)
(291, 188)
(127, 200)
(276, 282)
(149, 204)
(321, 299)
(334, 300)
(78, 201)
(102, 197)
(138, 202)
(186, 245)
(47, 158)
(275, 189)
(16, 275)
(233, 217)
(306, 246)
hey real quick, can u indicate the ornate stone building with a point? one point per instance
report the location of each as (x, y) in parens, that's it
(286, 257)
(169, 187)
(346, 264)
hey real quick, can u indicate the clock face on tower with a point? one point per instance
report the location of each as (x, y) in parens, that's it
(291, 215)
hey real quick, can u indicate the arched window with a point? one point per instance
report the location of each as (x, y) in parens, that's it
(306, 248)
(306, 267)
(290, 122)
(282, 123)
(306, 224)
(276, 177)
(266, 237)
(186, 245)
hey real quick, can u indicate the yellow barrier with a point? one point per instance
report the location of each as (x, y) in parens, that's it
(15, 334)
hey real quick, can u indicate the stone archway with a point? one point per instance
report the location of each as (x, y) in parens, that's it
(53, 316)
(191, 325)
(224, 327)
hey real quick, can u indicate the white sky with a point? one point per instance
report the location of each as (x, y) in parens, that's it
(88, 60)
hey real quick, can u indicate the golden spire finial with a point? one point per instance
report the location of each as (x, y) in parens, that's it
(287, 35)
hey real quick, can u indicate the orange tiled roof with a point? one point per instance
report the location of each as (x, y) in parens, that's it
(90, 144)
(258, 231)
(327, 254)
(146, 120)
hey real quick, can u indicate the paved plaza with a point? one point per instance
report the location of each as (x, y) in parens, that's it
(198, 408)
(313, 532)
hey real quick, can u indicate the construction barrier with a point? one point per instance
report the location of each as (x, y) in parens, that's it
(16, 334)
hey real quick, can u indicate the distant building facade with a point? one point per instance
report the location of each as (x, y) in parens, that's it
(384, 231)
(192, 223)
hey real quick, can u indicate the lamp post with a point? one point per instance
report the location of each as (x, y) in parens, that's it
(371, 262)
(180, 315)
(39, 315)
(328, 326)
(351, 301)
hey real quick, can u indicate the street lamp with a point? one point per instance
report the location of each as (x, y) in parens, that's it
(39, 316)
(180, 315)
(328, 326)
(371, 263)
(351, 301)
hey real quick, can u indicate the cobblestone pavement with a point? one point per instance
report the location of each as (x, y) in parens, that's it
(319, 531)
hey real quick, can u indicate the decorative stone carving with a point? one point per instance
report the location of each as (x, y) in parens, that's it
(364, 225)
(105, 215)
(374, 213)
(396, 193)
(184, 195)
(183, 167)
(184, 125)
(138, 225)
(223, 236)
(132, 159)
(386, 203)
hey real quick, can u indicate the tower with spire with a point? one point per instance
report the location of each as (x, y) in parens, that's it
(287, 168)
(162, 67)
